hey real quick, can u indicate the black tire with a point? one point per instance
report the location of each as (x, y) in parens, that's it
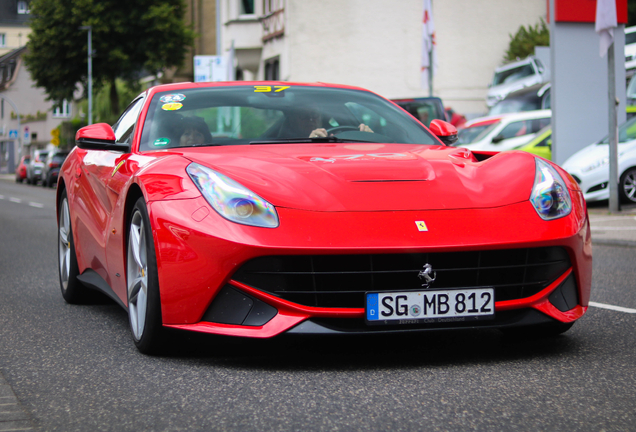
(45, 183)
(627, 186)
(141, 269)
(72, 289)
(18, 180)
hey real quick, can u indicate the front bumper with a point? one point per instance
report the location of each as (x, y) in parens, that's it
(594, 183)
(194, 244)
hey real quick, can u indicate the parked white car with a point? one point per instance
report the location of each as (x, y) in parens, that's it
(503, 132)
(590, 166)
(630, 51)
(515, 76)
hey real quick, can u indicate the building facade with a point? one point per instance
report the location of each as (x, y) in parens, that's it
(38, 117)
(375, 44)
(14, 25)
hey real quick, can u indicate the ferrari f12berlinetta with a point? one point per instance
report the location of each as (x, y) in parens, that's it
(255, 209)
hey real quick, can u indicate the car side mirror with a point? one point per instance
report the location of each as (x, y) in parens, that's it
(446, 132)
(99, 136)
(497, 139)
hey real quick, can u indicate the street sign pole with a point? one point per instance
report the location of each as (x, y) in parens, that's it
(614, 205)
(17, 112)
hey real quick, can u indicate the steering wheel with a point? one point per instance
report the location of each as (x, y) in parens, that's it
(337, 129)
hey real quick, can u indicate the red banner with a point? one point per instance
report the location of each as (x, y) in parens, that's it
(583, 11)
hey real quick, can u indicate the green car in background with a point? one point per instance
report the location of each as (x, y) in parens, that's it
(541, 144)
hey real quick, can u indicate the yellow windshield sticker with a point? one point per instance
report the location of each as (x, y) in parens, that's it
(267, 89)
(421, 226)
(172, 106)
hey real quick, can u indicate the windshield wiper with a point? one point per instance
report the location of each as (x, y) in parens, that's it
(330, 139)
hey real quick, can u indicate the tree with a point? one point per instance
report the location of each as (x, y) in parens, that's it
(523, 42)
(129, 38)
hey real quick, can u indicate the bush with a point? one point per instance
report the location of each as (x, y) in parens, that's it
(523, 42)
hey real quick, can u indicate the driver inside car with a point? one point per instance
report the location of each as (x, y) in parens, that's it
(308, 122)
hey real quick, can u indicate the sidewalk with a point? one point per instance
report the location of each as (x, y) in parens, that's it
(608, 229)
(613, 229)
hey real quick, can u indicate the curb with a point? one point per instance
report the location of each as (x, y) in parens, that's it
(619, 243)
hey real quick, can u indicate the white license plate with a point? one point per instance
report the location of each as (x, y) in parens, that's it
(430, 306)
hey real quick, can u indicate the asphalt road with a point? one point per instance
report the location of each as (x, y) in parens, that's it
(75, 368)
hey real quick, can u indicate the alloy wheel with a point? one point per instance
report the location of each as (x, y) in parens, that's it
(64, 244)
(137, 275)
(629, 185)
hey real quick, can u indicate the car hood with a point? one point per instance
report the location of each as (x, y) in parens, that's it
(373, 177)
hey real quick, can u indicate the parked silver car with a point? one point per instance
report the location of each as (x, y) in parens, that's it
(35, 166)
(515, 76)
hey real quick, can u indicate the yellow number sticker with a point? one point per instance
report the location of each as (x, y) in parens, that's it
(268, 89)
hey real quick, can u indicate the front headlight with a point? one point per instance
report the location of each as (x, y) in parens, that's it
(550, 196)
(597, 164)
(232, 200)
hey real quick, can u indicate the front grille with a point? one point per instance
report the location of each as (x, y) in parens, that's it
(578, 180)
(342, 280)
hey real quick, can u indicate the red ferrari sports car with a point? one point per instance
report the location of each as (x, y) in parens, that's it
(256, 209)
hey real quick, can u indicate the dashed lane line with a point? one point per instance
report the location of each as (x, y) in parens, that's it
(19, 201)
(612, 307)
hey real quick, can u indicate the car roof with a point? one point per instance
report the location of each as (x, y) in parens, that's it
(417, 99)
(482, 121)
(530, 91)
(191, 85)
(523, 115)
(514, 64)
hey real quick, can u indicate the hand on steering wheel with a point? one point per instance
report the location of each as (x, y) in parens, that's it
(337, 129)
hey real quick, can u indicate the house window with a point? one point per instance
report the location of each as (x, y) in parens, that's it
(272, 67)
(247, 7)
(23, 7)
(62, 110)
(3, 39)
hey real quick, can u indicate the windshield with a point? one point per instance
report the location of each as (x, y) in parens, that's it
(626, 132)
(630, 38)
(424, 111)
(511, 75)
(515, 105)
(471, 134)
(267, 114)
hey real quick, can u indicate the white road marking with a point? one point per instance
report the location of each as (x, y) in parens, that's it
(15, 200)
(614, 308)
(37, 205)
